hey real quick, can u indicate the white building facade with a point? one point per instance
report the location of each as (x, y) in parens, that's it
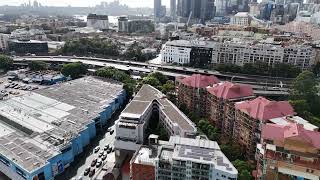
(100, 22)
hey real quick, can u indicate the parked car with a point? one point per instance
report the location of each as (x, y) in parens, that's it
(86, 171)
(100, 154)
(104, 157)
(96, 149)
(99, 163)
(91, 173)
(93, 163)
(106, 147)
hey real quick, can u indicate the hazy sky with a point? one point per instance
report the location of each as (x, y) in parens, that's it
(131, 3)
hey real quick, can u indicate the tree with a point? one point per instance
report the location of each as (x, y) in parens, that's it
(300, 106)
(211, 132)
(168, 87)
(232, 151)
(304, 86)
(37, 65)
(316, 69)
(151, 81)
(129, 84)
(161, 77)
(74, 70)
(244, 169)
(5, 62)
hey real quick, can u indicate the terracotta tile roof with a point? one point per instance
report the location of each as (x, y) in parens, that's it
(199, 81)
(292, 131)
(264, 109)
(228, 90)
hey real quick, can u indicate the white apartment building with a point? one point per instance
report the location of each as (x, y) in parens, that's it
(4, 41)
(134, 119)
(100, 22)
(176, 52)
(185, 158)
(237, 52)
(241, 19)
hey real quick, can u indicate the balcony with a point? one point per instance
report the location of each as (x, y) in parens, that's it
(292, 160)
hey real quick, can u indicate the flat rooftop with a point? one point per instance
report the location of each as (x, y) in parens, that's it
(197, 150)
(37, 125)
(144, 98)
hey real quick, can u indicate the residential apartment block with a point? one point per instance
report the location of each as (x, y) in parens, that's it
(251, 115)
(182, 158)
(220, 105)
(134, 120)
(208, 53)
(193, 93)
(288, 152)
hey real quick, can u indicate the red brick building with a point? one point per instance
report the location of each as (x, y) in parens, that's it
(288, 152)
(251, 115)
(142, 165)
(192, 92)
(221, 99)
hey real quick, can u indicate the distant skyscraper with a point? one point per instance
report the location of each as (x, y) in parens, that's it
(221, 7)
(157, 8)
(173, 8)
(199, 9)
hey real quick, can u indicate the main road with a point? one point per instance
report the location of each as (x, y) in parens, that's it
(173, 71)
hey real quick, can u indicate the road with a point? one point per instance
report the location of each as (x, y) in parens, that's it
(83, 161)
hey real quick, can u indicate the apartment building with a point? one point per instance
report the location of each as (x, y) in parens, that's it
(221, 99)
(240, 53)
(192, 92)
(134, 120)
(182, 158)
(4, 41)
(208, 53)
(251, 115)
(288, 152)
(196, 53)
(241, 19)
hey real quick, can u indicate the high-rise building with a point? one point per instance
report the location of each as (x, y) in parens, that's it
(221, 7)
(123, 24)
(199, 9)
(157, 8)
(173, 8)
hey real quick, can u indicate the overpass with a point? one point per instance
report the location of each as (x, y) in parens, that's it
(262, 84)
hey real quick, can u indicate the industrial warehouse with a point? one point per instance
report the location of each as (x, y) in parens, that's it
(41, 132)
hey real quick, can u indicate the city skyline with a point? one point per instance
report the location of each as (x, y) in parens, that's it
(84, 3)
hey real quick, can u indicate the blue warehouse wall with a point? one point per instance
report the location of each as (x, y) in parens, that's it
(56, 165)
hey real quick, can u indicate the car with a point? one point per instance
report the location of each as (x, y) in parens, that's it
(112, 131)
(104, 157)
(93, 163)
(109, 150)
(96, 149)
(100, 154)
(109, 129)
(80, 178)
(104, 153)
(86, 171)
(99, 162)
(17, 87)
(6, 85)
(91, 173)
(106, 147)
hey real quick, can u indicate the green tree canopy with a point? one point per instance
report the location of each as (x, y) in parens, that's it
(5, 62)
(244, 169)
(168, 87)
(74, 70)
(161, 77)
(37, 65)
(109, 72)
(304, 86)
(151, 81)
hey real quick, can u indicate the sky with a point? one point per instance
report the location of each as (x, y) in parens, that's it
(131, 3)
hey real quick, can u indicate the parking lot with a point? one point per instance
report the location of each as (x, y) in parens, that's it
(10, 88)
